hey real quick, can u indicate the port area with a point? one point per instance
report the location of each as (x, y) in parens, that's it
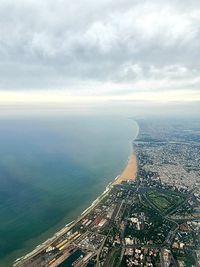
(62, 249)
(135, 221)
(63, 246)
(152, 220)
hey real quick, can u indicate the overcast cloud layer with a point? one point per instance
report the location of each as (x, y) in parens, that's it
(100, 47)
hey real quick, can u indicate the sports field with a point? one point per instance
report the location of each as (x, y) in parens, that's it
(164, 200)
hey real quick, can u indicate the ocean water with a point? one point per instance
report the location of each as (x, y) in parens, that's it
(51, 169)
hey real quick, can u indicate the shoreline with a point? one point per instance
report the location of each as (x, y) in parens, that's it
(131, 167)
(66, 228)
(130, 171)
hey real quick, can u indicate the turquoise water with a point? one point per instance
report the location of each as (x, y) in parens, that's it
(50, 170)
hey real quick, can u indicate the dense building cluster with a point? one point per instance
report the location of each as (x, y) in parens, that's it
(152, 221)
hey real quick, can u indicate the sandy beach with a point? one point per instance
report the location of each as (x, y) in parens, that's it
(130, 171)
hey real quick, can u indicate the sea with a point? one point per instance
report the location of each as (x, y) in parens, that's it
(51, 169)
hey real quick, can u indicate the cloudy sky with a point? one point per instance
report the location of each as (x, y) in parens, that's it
(85, 50)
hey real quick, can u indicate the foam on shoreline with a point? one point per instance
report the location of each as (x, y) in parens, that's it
(67, 227)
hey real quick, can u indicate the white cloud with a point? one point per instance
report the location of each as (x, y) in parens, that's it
(100, 47)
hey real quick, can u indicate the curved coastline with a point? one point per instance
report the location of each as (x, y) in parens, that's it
(118, 179)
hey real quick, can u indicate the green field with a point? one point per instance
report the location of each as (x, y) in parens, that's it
(164, 200)
(113, 258)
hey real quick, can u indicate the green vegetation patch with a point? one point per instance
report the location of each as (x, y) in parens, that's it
(164, 200)
(113, 258)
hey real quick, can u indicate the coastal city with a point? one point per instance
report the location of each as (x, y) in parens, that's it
(149, 215)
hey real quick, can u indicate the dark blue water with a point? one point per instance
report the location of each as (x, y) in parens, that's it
(72, 258)
(50, 170)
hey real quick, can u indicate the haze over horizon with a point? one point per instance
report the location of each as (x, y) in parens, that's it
(99, 120)
(86, 53)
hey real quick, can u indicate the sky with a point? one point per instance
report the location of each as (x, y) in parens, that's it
(90, 51)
